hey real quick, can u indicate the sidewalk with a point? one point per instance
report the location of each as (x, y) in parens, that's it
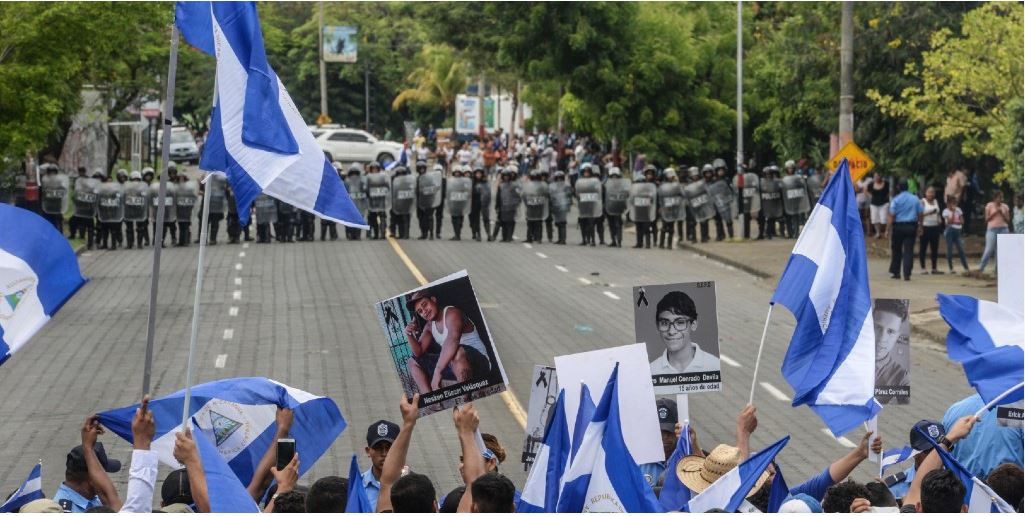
(767, 258)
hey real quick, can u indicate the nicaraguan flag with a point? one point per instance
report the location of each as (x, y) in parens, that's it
(585, 412)
(831, 359)
(257, 136)
(357, 500)
(778, 492)
(38, 273)
(403, 159)
(731, 489)
(32, 489)
(895, 456)
(227, 494)
(240, 415)
(675, 495)
(986, 339)
(544, 482)
(603, 477)
(978, 496)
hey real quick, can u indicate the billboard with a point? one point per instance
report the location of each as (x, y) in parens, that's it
(339, 44)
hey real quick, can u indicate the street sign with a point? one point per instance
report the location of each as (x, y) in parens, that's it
(859, 162)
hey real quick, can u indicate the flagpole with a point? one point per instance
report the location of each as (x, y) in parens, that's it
(200, 276)
(165, 156)
(998, 400)
(758, 358)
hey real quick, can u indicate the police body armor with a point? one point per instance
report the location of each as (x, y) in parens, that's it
(185, 200)
(459, 191)
(85, 197)
(559, 201)
(378, 192)
(136, 201)
(643, 199)
(170, 210)
(403, 191)
(428, 190)
(217, 189)
(670, 202)
(722, 196)
(699, 200)
(110, 203)
(266, 209)
(357, 187)
(55, 193)
(772, 198)
(617, 192)
(814, 187)
(795, 196)
(752, 197)
(535, 200)
(589, 202)
(511, 194)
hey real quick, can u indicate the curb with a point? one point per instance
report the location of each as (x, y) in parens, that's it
(722, 259)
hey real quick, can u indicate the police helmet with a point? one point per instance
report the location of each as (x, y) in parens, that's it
(719, 163)
(135, 176)
(789, 164)
(669, 173)
(693, 172)
(707, 168)
(122, 172)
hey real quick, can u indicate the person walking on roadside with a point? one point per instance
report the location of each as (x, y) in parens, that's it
(931, 227)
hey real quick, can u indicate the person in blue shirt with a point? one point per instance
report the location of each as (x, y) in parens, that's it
(989, 445)
(900, 483)
(83, 485)
(903, 228)
(380, 436)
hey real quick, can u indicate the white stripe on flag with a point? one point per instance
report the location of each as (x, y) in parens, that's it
(821, 244)
(717, 495)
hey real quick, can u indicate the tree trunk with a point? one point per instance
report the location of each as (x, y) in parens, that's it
(515, 112)
(116, 146)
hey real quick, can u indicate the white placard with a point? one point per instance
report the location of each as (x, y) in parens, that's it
(636, 397)
(1011, 264)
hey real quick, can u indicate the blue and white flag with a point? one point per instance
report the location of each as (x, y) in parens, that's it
(227, 494)
(357, 500)
(978, 496)
(778, 492)
(403, 159)
(257, 136)
(603, 477)
(544, 482)
(831, 359)
(732, 489)
(240, 414)
(895, 456)
(675, 495)
(986, 339)
(31, 490)
(585, 412)
(38, 273)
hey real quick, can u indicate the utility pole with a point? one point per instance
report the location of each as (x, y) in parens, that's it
(323, 71)
(740, 87)
(366, 96)
(846, 69)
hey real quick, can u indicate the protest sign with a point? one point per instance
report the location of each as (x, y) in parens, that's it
(544, 390)
(893, 351)
(441, 345)
(636, 397)
(679, 327)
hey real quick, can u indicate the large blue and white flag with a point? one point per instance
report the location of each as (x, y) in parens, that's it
(357, 500)
(585, 412)
(733, 488)
(986, 339)
(979, 497)
(31, 489)
(38, 273)
(544, 482)
(895, 456)
(240, 414)
(831, 359)
(675, 495)
(227, 494)
(603, 476)
(257, 136)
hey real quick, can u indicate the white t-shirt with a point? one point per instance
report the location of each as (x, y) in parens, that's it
(465, 156)
(954, 218)
(703, 361)
(930, 213)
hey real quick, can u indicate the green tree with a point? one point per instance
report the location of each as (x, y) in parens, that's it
(440, 76)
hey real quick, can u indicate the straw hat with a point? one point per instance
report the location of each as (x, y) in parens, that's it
(698, 473)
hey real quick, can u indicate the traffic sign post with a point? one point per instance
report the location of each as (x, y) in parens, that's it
(858, 161)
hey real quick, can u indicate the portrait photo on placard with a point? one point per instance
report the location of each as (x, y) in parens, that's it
(441, 345)
(679, 326)
(893, 351)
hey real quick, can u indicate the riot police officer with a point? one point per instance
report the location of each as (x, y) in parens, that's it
(217, 188)
(796, 204)
(266, 209)
(747, 183)
(85, 206)
(670, 207)
(459, 191)
(721, 191)
(440, 208)
(535, 205)
(185, 203)
(110, 212)
(599, 221)
(772, 202)
(480, 202)
(589, 204)
(378, 201)
(642, 202)
(698, 200)
(425, 192)
(507, 203)
(616, 192)
(356, 184)
(560, 197)
(549, 228)
(283, 228)
(403, 190)
(137, 201)
(54, 190)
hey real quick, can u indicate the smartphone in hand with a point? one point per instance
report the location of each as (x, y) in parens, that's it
(286, 450)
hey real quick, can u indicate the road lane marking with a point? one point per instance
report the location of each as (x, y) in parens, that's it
(233, 311)
(510, 400)
(238, 266)
(585, 281)
(611, 295)
(221, 360)
(561, 268)
(541, 255)
(229, 334)
(528, 246)
(242, 254)
(245, 245)
(776, 393)
(729, 361)
(236, 295)
(238, 281)
(845, 442)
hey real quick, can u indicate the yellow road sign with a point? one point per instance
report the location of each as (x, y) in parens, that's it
(859, 162)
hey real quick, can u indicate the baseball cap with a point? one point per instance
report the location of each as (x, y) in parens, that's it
(176, 488)
(418, 295)
(931, 428)
(667, 414)
(76, 460)
(42, 505)
(382, 430)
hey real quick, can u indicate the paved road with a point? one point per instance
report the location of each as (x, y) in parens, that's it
(301, 314)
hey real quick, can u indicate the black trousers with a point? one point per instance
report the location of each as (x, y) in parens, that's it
(535, 230)
(214, 226)
(746, 222)
(438, 218)
(902, 248)
(643, 234)
(184, 233)
(263, 233)
(586, 230)
(329, 228)
(56, 219)
(616, 230)
(425, 219)
(599, 226)
(508, 229)
(719, 234)
(704, 231)
(668, 231)
(548, 227)
(402, 223)
(475, 219)
(142, 233)
(378, 222)
(931, 239)
(561, 229)
(130, 234)
(234, 228)
(457, 226)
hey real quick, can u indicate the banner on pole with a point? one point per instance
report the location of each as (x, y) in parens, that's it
(340, 45)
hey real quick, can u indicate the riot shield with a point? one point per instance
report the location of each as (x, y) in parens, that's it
(403, 191)
(217, 188)
(170, 211)
(795, 195)
(185, 199)
(357, 188)
(85, 197)
(136, 201)
(54, 189)
(814, 187)
(378, 192)
(670, 202)
(428, 190)
(110, 203)
(643, 198)
(722, 197)
(266, 209)
(700, 202)
(589, 201)
(511, 195)
(617, 192)
(559, 201)
(459, 191)
(535, 200)
(752, 197)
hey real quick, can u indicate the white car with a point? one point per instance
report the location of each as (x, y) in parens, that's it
(183, 145)
(345, 144)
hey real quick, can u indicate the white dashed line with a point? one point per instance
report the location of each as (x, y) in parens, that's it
(776, 393)
(610, 295)
(541, 255)
(561, 268)
(238, 281)
(245, 246)
(236, 295)
(221, 360)
(233, 311)
(845, 442)
(585, 281)
(528, 246)
(729, 361)
(229, 334)
(238, 266)
(242, 254)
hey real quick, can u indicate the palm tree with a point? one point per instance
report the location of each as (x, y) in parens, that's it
(440, 76)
